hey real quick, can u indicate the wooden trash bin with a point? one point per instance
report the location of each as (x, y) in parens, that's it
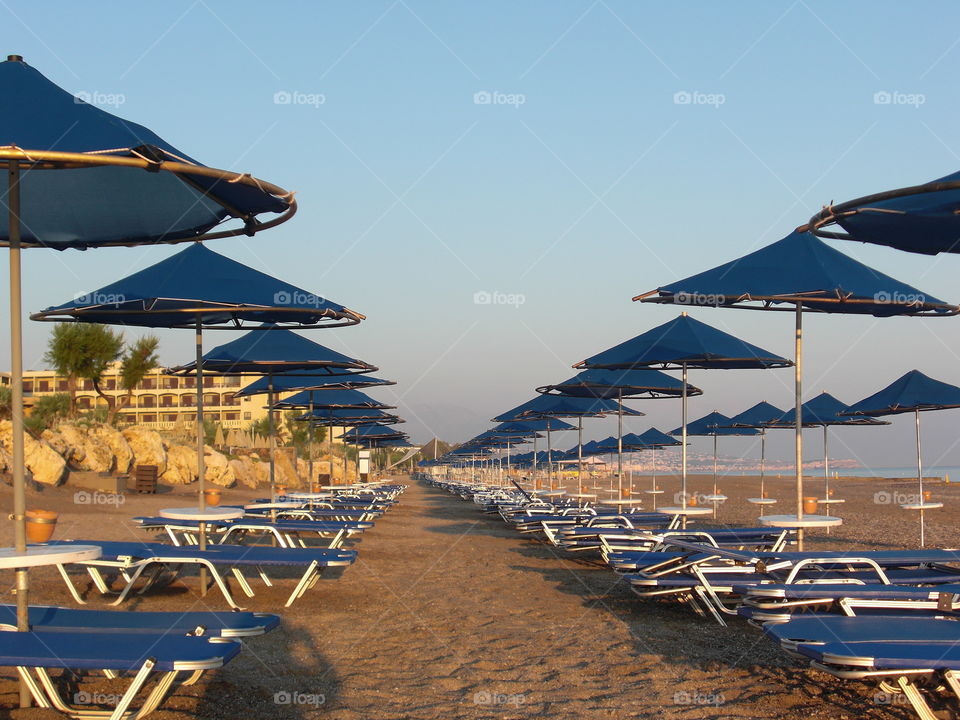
(145, 478)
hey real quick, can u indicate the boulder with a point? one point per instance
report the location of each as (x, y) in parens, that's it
(84, 450)
(181, 465)
(244, 471)
(147, 447)
(285, 473)
(117, 444)
(45, 464)
(217, 468)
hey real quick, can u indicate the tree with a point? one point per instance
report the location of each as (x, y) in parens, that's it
(139, 360)
(82, 350)
(6, 403)
(48, 411)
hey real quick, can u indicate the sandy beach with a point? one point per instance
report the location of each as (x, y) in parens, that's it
(449, 614)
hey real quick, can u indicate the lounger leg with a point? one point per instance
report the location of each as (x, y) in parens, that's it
(916, 699)
(98, 580)
(131, 582)
(70, 587)
(263, 576)
(221, 584)
(157, 695)
(301, 587)
(242, 581)
(172, 535)
(38, 695)
(953, 680)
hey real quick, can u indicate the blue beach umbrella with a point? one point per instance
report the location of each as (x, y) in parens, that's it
(684, 343)
(759, 416)
(913, 392)
(618, 385)
(127, 186)
(801, 273)
(309, 380)
(714, 425)
(918, 218)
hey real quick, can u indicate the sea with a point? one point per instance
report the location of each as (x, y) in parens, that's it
(951, 471)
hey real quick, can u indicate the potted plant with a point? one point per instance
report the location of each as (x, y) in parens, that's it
(40, 525)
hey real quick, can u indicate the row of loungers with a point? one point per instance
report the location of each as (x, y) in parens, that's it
(160, 650)
(883, 616)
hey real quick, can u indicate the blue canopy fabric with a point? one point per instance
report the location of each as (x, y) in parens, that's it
(544, 406)
(332, 399)
(908, 393)
(714, 423)
(800, 268)
(758, 416)
(655, 438)
(373, 431)
(309, 380)
(276, 352)
(348, 416)
(613, 384)
(200, 283)
(66, 209)
(684, 340)
(919, 219)
(536, 425)
(822, 410)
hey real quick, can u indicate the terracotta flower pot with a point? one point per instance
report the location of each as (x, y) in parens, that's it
(211, 497)
(692, 501)
(40, 525)
(810, 505)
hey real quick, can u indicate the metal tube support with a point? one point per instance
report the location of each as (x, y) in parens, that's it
(683, 438)
(619, 445)
(714, 473)
(763, 454)
(310, 443)
(549, 457)
(201, 442)
(580, 455)
(654, 482)
(271, 446)
(16, 407)
(916, 414)
(798, 433)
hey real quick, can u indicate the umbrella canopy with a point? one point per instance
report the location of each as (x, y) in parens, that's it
(544, 406)
(200, 284)
(757, 416)
(537, 425)
(370, 432)
(684, 342)
(919, 218)
(800, 269)
(348, 416)
(113, 202)
(614, 384)
(823, 410)
(277, 352)
(654, 438)
(330, 399)
(911, 392)
(715, 423)
(309, 380)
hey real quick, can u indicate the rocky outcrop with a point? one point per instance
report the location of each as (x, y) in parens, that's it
(244, 471)
(181, 465)
(217, 468)
(119, 447)
(44, 463)
(147, 447)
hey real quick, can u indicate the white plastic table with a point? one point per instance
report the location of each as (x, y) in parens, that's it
(808, 521)
(691, 510)
(39, 555)
(830, 501)
(762, 501)
(208, 514)
(582, 496)
(654, 492)
(922, 506)
(621, 501)
(550, 493)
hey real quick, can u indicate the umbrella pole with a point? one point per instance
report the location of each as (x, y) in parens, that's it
(798, 432)
(826, 475)
(310, 443)
(580, 455)
(714, 475)
(201, 459)
(763, 457)
(16, 406)
(683, 446)
(916, 414)
(654, 483)
(619, 446)
(535, 459)
(549, 458)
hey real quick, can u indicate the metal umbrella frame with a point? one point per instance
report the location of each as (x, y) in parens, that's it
(618, 385)
(771, 267)
(919, 386)
(19, 162)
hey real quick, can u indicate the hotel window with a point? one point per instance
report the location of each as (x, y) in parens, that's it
(231, 416)
(169, 417)
(132, 419)
(247, 416)
(171, 383)
(211, 399)
(148, 383)
(111, 384)
(189, 382)
(214, 416)
(43, 386)
(168, 400)
(188, 400)
(28, 386)
(148, 401)
(208, 381)
(62, 385)
(148, 418)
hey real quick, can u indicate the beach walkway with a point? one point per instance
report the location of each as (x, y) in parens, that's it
(449, 614)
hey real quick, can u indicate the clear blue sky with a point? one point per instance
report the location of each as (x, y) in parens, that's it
(581, 183)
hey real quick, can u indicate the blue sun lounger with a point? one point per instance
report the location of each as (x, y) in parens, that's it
(132, 560)
(48, 618)
(34, 654)
(901, 662)
(286, 533)
(821, 629)
(780, 603)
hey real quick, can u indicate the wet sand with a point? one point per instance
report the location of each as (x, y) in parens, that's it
(449, 614)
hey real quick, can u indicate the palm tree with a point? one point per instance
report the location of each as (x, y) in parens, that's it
(138, 361)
